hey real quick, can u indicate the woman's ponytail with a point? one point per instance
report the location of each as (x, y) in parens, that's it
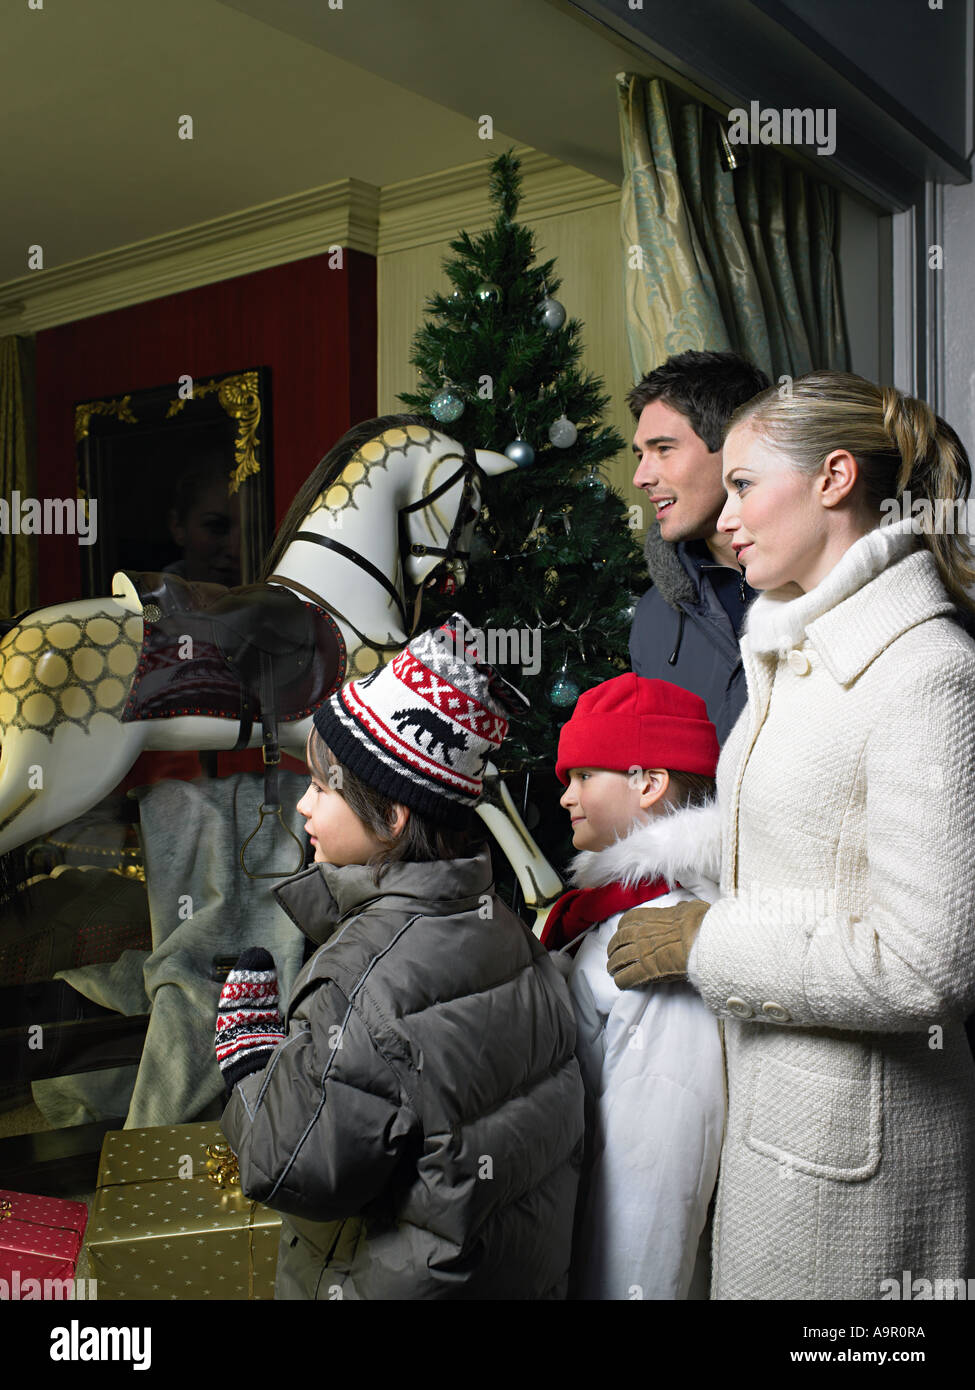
(935, 469)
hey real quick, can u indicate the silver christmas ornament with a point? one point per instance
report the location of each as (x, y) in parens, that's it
(552, 314)
(563, 434)
(520, 452)
(446, 406)
(595, 485)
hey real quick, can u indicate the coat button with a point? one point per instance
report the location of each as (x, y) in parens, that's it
(739, 1008)
(776, 1013)
(799, 662)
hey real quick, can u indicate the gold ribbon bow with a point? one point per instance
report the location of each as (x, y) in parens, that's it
(222, 1169)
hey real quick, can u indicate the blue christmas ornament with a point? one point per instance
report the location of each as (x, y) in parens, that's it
(520, 452)
(446, 406)
(488, 292)
(563, 691)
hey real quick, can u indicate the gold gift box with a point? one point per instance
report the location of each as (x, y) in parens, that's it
(169, 1219)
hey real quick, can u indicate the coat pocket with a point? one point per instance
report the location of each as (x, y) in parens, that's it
(315, 1258)
(827, 1124)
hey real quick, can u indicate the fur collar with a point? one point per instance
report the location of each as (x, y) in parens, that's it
(775, 624)
(665, 568)
(677, 846)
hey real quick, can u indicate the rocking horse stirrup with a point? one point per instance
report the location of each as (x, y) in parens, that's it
(271, 755)
(272, 810)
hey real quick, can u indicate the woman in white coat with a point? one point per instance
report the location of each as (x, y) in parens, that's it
(841, 953)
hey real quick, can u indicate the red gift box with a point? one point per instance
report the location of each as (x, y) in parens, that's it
(40, 1240)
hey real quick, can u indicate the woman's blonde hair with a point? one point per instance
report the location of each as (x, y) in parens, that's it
(898, 442)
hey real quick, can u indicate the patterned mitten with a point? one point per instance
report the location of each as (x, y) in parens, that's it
(249, 1026)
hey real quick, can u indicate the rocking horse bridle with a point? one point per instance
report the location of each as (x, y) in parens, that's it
(465, 512)
(469, 470)
(270, 749)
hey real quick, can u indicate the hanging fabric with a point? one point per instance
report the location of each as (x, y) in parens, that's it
(725, 247)
(17, 572)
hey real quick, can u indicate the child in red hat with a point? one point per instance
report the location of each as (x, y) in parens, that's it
(638, 759)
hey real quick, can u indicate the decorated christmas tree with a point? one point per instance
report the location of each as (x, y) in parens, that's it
(553, 559)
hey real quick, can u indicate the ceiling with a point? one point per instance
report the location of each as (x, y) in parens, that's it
(285, 95)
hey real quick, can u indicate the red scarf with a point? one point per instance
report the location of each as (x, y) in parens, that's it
(581, 907)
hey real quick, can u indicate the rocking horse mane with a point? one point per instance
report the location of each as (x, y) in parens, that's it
(325, 473)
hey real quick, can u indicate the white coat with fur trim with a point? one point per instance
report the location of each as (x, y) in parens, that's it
(652, 1064)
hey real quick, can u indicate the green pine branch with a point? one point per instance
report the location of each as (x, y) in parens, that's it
(574, 575)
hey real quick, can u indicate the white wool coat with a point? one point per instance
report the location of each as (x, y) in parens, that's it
(841, 954)
(654, 1075)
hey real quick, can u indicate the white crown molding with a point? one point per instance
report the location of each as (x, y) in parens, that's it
(345, 213)
(348, 213)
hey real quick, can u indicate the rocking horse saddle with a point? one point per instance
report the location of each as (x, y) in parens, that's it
(170, 593)
(253, 652)
(259, 622)
(231, 653)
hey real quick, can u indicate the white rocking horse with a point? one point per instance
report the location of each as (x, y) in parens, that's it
(86, 687)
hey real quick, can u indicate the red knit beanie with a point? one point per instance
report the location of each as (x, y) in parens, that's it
(630, 721)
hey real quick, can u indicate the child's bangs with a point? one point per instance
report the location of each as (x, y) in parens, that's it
(318, 756)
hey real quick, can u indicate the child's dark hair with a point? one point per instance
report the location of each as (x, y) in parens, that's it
(421, 839)
(690, 789)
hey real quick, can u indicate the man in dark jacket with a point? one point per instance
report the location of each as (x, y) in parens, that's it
(687, 625)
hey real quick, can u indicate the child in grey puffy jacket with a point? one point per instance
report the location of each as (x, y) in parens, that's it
(417, 1114)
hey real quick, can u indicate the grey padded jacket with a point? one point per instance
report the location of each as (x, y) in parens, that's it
(426, 1103)
(682, 634)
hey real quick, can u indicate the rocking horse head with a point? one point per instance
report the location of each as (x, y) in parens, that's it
(86, 686)
(395, 500)
(390, 504)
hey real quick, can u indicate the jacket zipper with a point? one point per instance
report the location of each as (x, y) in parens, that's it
(740, 573)
(672, 659)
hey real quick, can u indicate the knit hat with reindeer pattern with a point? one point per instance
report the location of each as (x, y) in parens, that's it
(420, 729)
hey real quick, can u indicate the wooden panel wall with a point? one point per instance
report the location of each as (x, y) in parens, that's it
(586, 245)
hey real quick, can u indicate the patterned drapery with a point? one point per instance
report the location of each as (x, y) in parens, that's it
(718, 257)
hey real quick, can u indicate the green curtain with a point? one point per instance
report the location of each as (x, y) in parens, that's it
(719, 258)
(18, 580)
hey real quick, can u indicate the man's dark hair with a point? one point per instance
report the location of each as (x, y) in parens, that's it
(707, 387)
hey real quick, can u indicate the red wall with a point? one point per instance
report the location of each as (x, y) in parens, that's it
(314, 327)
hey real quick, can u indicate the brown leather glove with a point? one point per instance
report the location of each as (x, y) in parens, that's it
(652, 944)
